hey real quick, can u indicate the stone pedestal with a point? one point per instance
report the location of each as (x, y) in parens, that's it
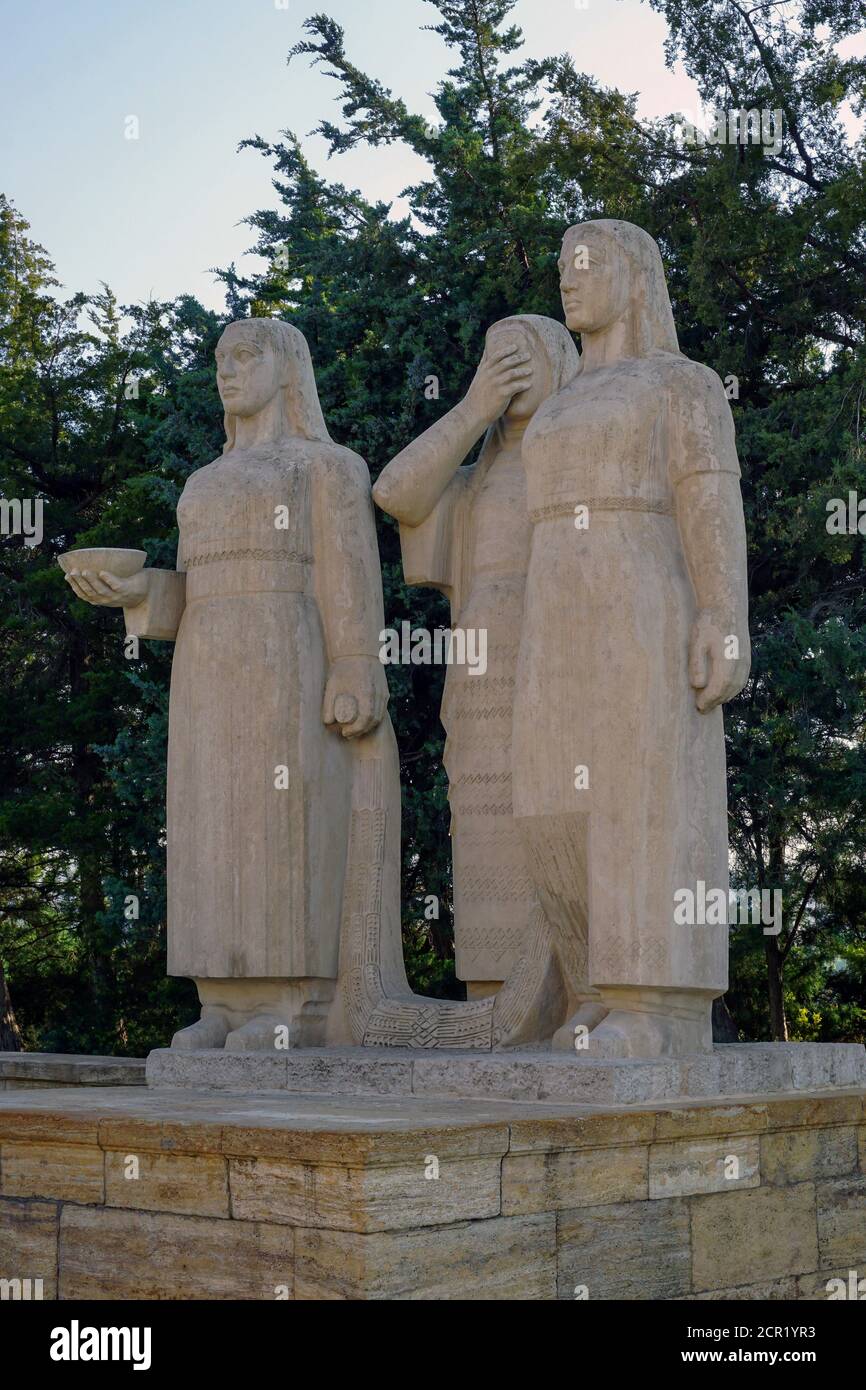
(736, 1069)
(185, 1193)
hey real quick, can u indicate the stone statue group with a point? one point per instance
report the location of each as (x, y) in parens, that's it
(599, 541)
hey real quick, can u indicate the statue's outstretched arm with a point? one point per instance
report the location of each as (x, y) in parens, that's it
(152, 600)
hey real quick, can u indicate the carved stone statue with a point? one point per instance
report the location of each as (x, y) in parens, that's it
(635, 630)
(276, 690)
(465, 530)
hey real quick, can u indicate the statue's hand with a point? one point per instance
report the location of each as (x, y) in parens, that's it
(719, 658)
(502, 372)
(105, 590)
(360, 685)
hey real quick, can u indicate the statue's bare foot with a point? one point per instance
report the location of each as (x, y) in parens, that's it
(625, 1034)
(263, 1033)
(210, 1031)
(572, 1036)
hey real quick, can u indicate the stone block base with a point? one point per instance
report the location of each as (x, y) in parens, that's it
(27, 1071)
(119, 1193)
(735, 1069)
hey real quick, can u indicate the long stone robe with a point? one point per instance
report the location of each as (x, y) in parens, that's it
(260, 791)
(474, 546)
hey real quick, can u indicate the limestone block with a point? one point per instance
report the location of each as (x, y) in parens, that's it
(192, 1183)
(137, 1134)
(582, 1131)
(503, 1258)
(630, 1250)
(747, 1237)
(682, 1121)
(64, 1172)
(547, 1077)
(804, 1111)
(687, 1167)
(218, 1070)
(110, 1254)
(355, 1074)
(841, 1206)
(28, 1242)
(379, 1198)
(33, 1069)
(554, 1181)
(784, 1290)
(801, 1155)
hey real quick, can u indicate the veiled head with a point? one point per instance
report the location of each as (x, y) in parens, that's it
(610, 272)
(259, 359)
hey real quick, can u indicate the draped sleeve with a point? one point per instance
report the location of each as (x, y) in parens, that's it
(701, 425)
(438, 552)
(158, 615)
(347, 575)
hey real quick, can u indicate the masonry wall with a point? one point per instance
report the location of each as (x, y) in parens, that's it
(762, 1200)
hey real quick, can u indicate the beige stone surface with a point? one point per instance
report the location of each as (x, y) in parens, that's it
(776, 1290)
(28, 1242)
(747, 1237)
(841, 1207)
(503, 1258)
(688, 1167)
(531, 1200)
(554, 1181)
(624, 1251)
(64, 1172)
(801, 1155)
(194, 1183)
(380, 1197)
(110, 1254)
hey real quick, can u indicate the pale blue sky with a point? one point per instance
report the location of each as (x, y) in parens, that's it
(151, 215)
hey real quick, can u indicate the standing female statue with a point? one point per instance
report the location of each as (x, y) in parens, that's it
(466, 531)
(276, 692)
(635, 631)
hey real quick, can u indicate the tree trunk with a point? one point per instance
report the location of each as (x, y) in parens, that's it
(775, 991)
(724, 1027)
(10, 1037)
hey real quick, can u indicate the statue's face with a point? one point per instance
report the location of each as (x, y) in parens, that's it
(593, 280)
(524, 405)
(247, 372)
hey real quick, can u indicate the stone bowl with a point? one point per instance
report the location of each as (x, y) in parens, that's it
(117, 561)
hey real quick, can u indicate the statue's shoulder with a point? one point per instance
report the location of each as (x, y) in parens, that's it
(338, 465)
(688, 378)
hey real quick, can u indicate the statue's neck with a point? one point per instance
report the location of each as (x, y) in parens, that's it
(607, 346)
(511, 432)
(269, 424)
